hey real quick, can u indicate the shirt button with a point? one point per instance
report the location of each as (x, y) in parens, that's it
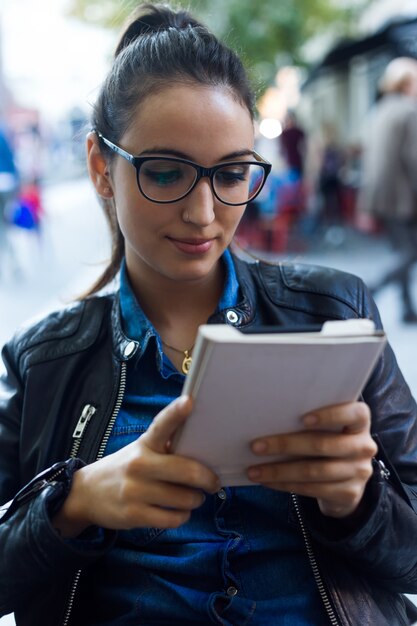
(231, 591)
(222, 494)
(232, 317)
(129, 348)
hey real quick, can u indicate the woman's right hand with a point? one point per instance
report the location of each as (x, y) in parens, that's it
(141, 485)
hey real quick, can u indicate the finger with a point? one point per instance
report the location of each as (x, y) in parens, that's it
(351, 417)
(336, 499)
(173, 496)
(177, 470)
(318, 444)
(166, 423)
(311, 472)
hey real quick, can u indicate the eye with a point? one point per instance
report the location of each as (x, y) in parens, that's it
(162, 173)
(232, 175)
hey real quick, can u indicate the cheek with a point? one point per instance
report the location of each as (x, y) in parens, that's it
(134, 224)
(127, 197)
(127, 217)
(231, 217)
(133, 213)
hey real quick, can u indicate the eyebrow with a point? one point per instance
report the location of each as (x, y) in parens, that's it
(183, 155)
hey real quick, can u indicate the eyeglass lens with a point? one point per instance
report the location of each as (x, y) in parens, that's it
(166, 180)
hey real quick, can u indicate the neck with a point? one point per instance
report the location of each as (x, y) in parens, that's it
(177, 308)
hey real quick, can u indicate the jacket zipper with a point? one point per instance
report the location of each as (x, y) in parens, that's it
(39, 486)
(27, 494)
(86, 415)
(119, 400)
(314, 566)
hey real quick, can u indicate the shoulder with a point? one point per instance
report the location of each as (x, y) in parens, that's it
(61, 332)
(311, 288)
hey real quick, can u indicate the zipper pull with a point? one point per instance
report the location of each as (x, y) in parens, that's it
(383, 470)
(87, 413)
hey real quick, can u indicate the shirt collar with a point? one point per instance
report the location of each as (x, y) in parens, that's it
(135, 323)
(230, 296)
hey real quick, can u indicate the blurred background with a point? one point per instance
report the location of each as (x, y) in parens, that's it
(316, 67)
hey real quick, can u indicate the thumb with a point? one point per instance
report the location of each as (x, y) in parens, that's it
(166, 423)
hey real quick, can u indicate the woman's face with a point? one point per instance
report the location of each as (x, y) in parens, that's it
(181, 241)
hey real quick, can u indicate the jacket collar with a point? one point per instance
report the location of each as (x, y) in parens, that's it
(243, 312)
(124, 347)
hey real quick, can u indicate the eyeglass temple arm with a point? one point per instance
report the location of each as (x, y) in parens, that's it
(117, 149)
(260, 158)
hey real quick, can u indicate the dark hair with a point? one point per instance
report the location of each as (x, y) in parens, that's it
(158, 48)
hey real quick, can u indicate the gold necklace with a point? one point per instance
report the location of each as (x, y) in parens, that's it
(187, 360)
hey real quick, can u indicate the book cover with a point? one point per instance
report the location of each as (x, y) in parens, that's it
(246, 386)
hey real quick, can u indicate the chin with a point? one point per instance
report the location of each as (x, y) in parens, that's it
(190, 271)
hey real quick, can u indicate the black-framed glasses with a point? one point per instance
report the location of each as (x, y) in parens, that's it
(169, 179)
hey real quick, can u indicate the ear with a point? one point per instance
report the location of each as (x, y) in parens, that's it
(98, 168)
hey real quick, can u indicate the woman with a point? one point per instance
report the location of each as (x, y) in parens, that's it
(115, 530)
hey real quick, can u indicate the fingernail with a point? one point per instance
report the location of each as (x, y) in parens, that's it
(310, 420)
(182, 400)
(259, 447)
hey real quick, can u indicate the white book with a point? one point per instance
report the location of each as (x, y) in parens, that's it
(246, 386)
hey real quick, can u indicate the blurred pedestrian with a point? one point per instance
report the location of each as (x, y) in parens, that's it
(291, 197)
(330, 182)
(292, 143)
(389, 187)
(30, 200)
(9, 184)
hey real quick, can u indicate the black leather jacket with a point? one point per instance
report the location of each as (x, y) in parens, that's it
(72, 365)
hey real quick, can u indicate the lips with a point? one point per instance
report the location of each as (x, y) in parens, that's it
(192, 246)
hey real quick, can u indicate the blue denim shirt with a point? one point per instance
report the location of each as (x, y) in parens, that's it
(239, 560)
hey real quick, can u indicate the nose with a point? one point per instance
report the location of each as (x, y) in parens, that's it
(199, 204)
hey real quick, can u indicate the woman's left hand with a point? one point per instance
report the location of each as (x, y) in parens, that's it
(331, 460)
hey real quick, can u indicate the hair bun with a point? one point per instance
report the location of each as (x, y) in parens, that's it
(151, 18)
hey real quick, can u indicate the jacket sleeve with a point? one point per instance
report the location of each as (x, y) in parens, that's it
(33, 556)
(11, 401)
(381, 538)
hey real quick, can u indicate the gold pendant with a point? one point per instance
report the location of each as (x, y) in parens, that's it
(186, 364)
